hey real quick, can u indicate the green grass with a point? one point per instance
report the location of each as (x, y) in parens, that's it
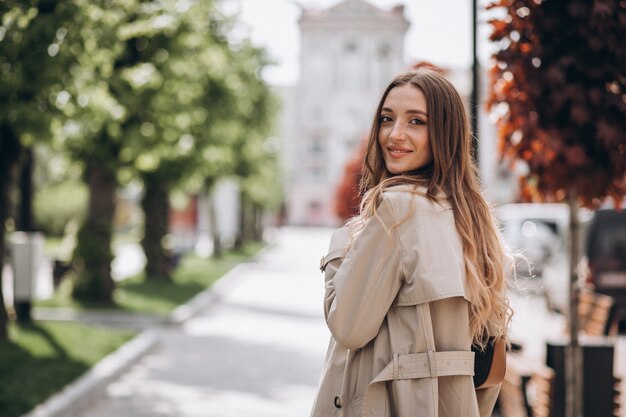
(139, 295)
(43, 357)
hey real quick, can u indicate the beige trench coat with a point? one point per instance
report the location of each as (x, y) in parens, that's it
(397, 307)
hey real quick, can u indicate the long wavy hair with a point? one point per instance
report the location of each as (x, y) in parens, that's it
(451, 176)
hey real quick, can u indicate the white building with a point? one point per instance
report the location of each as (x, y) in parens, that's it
(349, 53)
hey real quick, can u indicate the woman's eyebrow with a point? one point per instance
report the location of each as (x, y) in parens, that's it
(411, 111)
(416, 112)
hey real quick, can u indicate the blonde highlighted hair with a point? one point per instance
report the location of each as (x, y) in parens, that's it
(453, 175)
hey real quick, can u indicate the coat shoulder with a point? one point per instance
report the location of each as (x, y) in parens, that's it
(407, 200)
(433, 263)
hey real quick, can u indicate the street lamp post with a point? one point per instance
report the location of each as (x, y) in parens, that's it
(474, 99)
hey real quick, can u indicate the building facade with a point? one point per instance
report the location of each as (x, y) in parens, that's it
(349, 52)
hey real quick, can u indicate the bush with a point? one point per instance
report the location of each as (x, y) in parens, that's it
(58, 204)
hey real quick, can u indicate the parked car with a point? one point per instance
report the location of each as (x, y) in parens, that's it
(536, 231)
(603, 267)
(606, 256)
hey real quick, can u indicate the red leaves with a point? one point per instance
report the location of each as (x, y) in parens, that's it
(557, 84)
(347, 196)
(575, 156)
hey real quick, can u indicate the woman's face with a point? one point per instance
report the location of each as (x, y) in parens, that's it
(403, 132)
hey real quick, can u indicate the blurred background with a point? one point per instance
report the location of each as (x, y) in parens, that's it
(148, 147)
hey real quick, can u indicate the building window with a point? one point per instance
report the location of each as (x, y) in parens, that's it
(384, 51)
(316, 145)
(351, 73)
(350, 47)
(316, 172)
(351, 145)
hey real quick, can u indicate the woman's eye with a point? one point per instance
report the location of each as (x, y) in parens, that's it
(384, 119)
(417, 122)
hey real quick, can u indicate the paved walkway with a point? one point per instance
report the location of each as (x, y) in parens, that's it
(257, 353)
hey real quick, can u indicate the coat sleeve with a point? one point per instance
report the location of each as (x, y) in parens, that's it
(359, 295)
(339, 243)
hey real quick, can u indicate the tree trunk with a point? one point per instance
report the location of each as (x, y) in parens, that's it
(25, 221)
(4, 205)
(258, 222)
(215, 233)
(9, 154)
(248, 231)
(24, 218)
(93, 255)
(574, 377)
(156, 208)
(241, 227)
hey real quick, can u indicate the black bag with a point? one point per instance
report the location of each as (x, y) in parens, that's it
(489, 364)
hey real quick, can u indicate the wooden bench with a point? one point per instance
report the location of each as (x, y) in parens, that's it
(526, 389)
(596, 314)
(617, 396)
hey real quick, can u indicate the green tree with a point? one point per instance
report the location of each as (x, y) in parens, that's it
(222, 110)
(559, 87)
(171, 116)
(91, 130)
(203, 123)
(185, 111)
(32, 35)
(256, 158)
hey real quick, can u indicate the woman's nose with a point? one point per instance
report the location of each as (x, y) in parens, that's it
(398, 132)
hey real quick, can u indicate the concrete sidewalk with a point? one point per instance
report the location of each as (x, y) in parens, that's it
(258, 351)
(254, 345)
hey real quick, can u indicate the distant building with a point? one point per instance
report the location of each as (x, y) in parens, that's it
(349, 52)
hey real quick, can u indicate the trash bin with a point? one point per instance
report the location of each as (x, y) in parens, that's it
(26, 256)
(598, 380)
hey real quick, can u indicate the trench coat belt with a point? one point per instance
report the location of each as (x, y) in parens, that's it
(414, 366)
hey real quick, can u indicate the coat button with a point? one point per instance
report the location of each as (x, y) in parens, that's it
(338, 402)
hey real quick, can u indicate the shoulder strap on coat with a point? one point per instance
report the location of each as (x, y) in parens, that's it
(427, 325)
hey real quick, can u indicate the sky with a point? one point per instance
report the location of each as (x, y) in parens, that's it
(440, 32)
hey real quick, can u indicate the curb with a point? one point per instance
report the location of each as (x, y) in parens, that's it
(208, 297)
(115, 319)
(75, 396)
(214, 293)
(79, 393)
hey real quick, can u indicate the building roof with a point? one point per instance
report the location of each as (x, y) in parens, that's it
(353, 11)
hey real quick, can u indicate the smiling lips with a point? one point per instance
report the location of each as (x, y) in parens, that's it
(398, 152)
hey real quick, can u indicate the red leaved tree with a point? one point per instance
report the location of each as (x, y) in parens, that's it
(347, 195)
(559, 86)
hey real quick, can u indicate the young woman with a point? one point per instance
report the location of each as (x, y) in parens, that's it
(418, 276)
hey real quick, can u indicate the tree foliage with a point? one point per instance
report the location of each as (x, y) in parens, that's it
(559, 86)
(154, 91)
(200, 114)
(32, 35)
(347, 194)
